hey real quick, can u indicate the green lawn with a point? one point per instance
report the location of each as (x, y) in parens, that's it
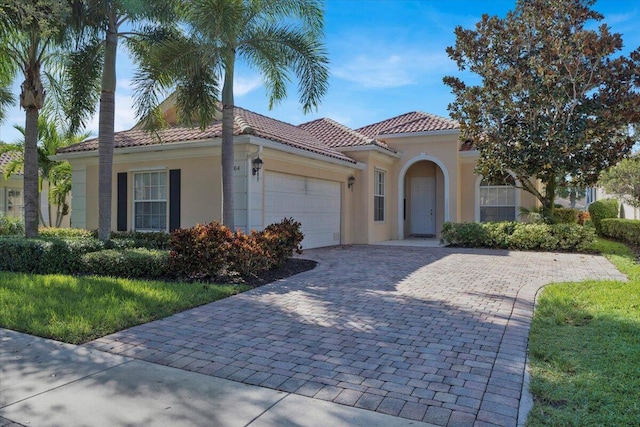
(585, 349)
(79, 309)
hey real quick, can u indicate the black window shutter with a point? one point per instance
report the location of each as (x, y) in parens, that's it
(174, 199)
(122, 201)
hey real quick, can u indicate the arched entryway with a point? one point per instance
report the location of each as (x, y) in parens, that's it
(423, 188)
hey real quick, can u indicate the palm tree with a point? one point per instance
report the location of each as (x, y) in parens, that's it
(275, 37)
(101, 23)
(29, 31)
(56, 174)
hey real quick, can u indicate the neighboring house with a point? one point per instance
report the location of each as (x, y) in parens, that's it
(401, 177)
(11, 195)
(626, 211)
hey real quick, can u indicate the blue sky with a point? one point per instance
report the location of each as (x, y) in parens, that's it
(387, 57)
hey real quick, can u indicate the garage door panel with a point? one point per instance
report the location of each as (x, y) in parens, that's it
(314, 203)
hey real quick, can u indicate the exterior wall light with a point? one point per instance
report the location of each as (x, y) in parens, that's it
(257, 165)
(350, 181)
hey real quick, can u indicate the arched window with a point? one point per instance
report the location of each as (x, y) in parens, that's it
(498, 199)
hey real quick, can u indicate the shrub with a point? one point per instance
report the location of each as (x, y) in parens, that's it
(130, 263)
(199, 252)
(532, 237)
(602, 209)
(565, 216)
(468, 234)
(63, 233)
(571, 237)
(498, 233)
(625, 230)
(521, 236)
(280, 240)
(137, 239)
(583, 216)
(10, 226)
(44, 256)
(212, 250)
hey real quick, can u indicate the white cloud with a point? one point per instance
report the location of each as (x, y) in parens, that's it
(244, 85)
(375, 70)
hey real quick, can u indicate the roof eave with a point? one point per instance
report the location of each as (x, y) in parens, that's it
(280, 146)
(375, 148)
(210, 142)
(423, 133)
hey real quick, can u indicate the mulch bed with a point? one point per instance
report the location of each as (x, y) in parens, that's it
(292, 267)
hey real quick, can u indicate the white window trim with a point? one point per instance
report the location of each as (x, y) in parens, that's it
(133, 174)
(382, 173)
(518, 192)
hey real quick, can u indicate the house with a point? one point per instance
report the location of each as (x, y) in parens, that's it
(626, 211)
(11, 196)
(397, 178)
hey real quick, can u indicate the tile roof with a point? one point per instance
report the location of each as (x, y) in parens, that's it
(6, 157)
(246, 122)
(416, 121)
(338, 135)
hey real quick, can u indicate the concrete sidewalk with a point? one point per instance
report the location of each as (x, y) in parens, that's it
(48, 383)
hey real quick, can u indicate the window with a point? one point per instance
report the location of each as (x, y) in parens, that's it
(150, 201)
(498, 200)
(12, 202)
(378, 195)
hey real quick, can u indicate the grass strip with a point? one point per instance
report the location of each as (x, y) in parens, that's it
(79, 309)
(584, 349)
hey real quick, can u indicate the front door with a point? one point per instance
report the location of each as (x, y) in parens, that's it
(423, 200)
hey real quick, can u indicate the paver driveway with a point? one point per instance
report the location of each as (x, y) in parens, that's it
(431, 334)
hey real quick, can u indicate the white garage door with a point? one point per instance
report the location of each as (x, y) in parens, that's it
(315, 203)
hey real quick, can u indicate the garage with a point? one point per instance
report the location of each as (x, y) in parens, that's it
(315, 203)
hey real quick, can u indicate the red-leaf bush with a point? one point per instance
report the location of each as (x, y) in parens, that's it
(583, 216)
(280, 240)
(213, 251)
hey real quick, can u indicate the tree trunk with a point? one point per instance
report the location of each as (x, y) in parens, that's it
(573, 196)
(550, 199)
(31, 196)
(106, 135)
(227, 146)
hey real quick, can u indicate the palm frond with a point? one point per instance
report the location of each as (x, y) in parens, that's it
(278, 50)
(170, 60)
(83, 70)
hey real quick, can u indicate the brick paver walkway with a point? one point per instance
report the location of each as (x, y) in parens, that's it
(431, 334)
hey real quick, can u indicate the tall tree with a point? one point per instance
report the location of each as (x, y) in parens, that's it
(29, 31)
(552, 101)
(275, 37)
(101, 24)
(56, 174)
(623, 180)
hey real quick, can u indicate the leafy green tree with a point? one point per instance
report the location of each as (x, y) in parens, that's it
(56, 174)
(277, 38)
(552, 100)
(92, 68)
(623, 180)
(30, 30)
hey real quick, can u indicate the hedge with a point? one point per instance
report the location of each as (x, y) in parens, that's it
(44, 256)
(10, 226)
(602, 209)
(565, 216)
(517, 236)
(130, 263)
(625, 230)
